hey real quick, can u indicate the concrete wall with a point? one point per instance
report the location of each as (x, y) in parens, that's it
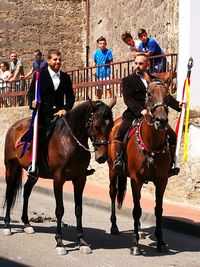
(30, 25)
(189, 47)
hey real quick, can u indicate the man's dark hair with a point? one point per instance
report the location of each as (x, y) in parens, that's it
(38, 52)
(53, 51)
(141, 31)
(101, 38)
(126, 35)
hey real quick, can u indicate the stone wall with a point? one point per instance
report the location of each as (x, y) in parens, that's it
(158, 17)
(43, 24)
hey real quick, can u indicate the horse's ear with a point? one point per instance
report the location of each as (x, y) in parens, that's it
(113, 101)
(166, 77)
(92, 104)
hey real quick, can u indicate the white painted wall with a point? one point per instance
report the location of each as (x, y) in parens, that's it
(189, 46)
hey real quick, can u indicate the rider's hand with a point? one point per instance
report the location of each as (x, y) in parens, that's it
(182, 104)
(61, 113)
(34, 104)
(144, 112)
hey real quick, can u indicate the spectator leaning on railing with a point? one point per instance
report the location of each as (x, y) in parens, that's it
(16, 68)
(4, 74)
(38, 64)
(133, 45)
(150, 47)
(17, 71)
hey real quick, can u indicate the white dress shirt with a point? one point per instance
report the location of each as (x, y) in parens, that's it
(55, 76)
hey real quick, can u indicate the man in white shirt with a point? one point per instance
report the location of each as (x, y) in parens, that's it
(56, 97)
(56, 92)
(133, 45)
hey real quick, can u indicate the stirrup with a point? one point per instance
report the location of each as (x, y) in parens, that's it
(119, 166)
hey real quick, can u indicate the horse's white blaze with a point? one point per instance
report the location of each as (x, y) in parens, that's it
(107, 122)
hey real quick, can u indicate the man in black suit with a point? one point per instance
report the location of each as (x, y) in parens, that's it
(56, 92)
(134, 88)
(56, 97)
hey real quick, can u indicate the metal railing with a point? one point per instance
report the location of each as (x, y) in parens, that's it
(85, 82)
(14, 94)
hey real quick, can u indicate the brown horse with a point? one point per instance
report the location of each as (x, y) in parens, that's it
(67, 157)
(148, 158)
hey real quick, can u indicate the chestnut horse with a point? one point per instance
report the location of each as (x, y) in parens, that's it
(148, 158)
(67, 156)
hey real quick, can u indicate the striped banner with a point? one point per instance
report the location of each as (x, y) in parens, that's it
(187, 115)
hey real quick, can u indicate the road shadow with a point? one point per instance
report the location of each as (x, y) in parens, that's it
(8, 263)
(100, 239)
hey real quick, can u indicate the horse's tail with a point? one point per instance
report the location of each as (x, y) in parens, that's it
(14, 183)
(121, 190)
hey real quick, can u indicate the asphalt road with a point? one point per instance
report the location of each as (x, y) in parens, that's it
(38, 249)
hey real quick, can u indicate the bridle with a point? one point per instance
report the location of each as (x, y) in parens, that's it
(95, 142)
(153, 107)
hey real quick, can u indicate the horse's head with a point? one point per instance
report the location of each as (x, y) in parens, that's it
(157, 104)
(99, 127)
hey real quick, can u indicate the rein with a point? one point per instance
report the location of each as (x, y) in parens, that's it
(95, 142)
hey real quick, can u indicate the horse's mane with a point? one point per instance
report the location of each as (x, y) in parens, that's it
(157, 82)
(77, 117)
(86, 108)
(101, 109)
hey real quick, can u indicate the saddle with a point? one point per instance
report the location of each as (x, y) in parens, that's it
(127, 136)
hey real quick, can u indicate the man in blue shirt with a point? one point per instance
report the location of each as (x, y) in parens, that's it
(102, 56)
(150, 47)
(38, 64)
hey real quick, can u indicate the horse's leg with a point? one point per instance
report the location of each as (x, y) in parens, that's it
(58, 192)
(137, 212)
(113, 192)
(27, 191)
(79, 184)
(13, 181)
(160, 189)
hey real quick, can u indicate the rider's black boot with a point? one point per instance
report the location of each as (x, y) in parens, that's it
(119, 165)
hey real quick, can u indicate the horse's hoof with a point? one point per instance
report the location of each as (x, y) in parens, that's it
(135, 251)
(114, 231)
(85, 250)
(60, 251)
(28, 229)
(142, 235)
(6, 232)
(163, 248)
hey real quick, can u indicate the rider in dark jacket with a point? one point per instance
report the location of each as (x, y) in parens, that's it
(134, 88)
